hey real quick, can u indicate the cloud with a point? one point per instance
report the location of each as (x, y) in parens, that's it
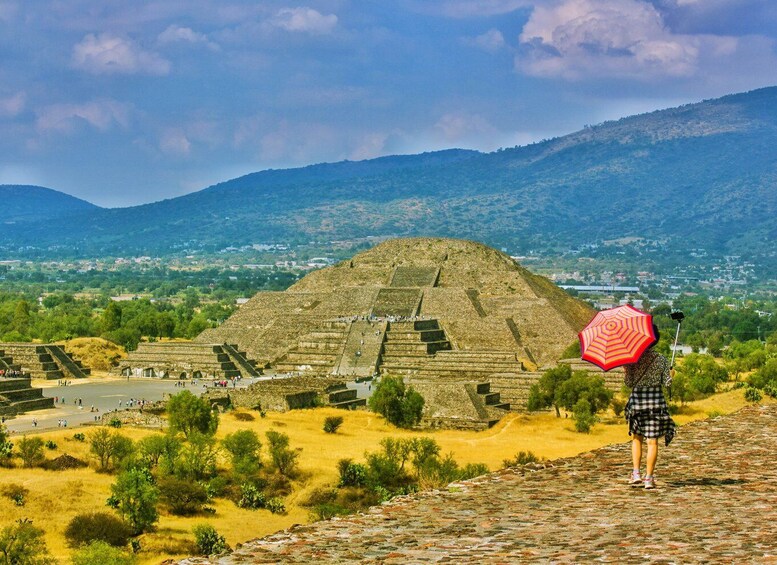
(13, 105)
(582, 38)
(491, 41)
(469, 8)
(174, 142)
(463, 126)
(99, 114)
(177, 34)
(109, 54)
(305, 20)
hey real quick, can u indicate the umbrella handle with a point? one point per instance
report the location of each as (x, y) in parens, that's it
(674, 349)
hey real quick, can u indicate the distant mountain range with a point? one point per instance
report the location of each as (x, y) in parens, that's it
(699, 176)
(23, 203)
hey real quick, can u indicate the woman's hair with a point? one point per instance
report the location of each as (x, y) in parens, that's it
(657, 334)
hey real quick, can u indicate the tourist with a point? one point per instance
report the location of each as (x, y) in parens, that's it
(647, 412)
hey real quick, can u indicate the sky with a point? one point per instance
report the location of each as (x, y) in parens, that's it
(125, 102)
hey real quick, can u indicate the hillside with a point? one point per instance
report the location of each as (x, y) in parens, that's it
(698, 176)
(23, 203)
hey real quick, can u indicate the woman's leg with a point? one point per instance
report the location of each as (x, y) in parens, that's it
(652, 455)
(636, 451)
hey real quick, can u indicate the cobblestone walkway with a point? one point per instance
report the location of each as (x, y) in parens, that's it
(716, 502)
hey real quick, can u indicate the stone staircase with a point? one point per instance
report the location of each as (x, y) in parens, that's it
(18, 396)
(363, 349)
(397, 303)
(317, 352)
(187, 360)
(44, 361)
(408, 276)
(7, 363)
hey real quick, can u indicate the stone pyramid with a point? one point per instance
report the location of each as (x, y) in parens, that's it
(417, 306)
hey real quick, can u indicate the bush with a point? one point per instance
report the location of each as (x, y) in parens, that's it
(15, 492)
(22, 543)
(752, 394)
(770, 390)
(187, 413)
(182, 497)
(251, 497)
(400, 405)
(51, 445)
(101, 553)
(244, 416)
(208, 540)
(618, 404)
(584, 417)
(275, 505)
(244, 448)
(115, 422)
(351, 474)
(97, 526)
(110, 448)
(134, 496)
(31, 451)
(79, 437)
(284, 458)
(332, 424)
(521, 458)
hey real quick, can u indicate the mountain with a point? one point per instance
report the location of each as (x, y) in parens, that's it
(23, 203)
(702, 175)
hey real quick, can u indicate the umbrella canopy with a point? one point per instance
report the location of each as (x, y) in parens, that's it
(617, 337)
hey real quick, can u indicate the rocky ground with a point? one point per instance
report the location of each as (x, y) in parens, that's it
(716, 502)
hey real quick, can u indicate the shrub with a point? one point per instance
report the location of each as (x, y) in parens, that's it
(584, 386)
(243, 447)
(208, 540)
(351, 474)
(251, 497)
(244, 416)
(521, 458)
(400, 405)
(284, 458)
(79, 437)
(135, 496)
(183, 498)
(97, 526)
(101, 553)
(752, 394)
(332, 424)
(51, 445)
(110, 448)
(15, 492)
(188, 413)
(114, 422)
(770, 390)
(584, 416)
(23, 543)
(197, 460)
(618, 404)
(275, 505)
(31, 451)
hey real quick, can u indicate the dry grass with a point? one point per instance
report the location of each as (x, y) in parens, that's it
(95, 353)
(55, 497)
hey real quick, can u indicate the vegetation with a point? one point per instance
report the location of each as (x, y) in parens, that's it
(332, 424)
(135, 496)
(191, 414)
(105, 527)
(208, 540)
(31, 451)
(21, 543)
(400, 405)
(101, 553)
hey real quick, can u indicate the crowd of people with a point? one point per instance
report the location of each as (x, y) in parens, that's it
(11, 374)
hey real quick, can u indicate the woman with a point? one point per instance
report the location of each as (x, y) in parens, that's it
(646, 410)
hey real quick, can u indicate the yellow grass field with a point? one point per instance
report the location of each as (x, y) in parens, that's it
(56, 496)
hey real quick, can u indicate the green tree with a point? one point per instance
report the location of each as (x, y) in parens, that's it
(400, 405)
(542, 394)
(187, 413)
(160, 450)
(110, 448)
(21, 317)
(284, 459)
(31, 451)
(197, 459)
(101, 553)
(583, 386)
(135, 497)
(243, 447)
(21, 543)
(111, 317)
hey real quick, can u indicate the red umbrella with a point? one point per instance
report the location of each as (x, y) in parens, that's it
(617, 337)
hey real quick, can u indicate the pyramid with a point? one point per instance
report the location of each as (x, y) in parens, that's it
(416, 306)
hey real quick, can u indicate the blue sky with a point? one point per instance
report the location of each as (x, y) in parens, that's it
(121, 102)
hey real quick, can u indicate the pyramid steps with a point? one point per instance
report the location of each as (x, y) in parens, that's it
(18, 396)
(187, 360)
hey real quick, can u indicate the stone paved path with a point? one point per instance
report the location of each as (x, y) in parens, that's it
(716, 503)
